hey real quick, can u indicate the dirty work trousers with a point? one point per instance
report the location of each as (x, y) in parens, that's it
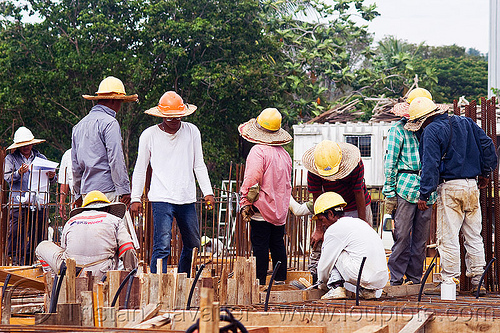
(458, 209)
(411, 230)
(267, 237)
(187, 222)
(316, 252)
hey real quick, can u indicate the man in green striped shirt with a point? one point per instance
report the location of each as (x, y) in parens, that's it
(401, 189)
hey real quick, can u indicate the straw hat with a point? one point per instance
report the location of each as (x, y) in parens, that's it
(265, 129)
(171, 105)
(350, 159)
(420, 109)
(112, 88)
(23, 137)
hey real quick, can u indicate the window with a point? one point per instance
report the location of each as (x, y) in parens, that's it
(363, 142)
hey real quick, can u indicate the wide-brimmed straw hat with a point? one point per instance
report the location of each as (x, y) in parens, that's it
(112, 88)
(24, 137)
(420, 110)
(265, 129)
(115, 208)
(171, 105)
(350, 159)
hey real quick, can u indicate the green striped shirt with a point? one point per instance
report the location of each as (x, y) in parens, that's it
(402, 154)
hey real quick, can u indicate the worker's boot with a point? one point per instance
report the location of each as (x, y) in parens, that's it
(335, 293)
(475, 284)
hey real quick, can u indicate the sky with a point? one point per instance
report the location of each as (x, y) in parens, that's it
(435, 22)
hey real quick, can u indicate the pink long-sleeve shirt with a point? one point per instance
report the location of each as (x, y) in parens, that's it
(271, 168)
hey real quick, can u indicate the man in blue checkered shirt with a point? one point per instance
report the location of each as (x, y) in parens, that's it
(401, 189)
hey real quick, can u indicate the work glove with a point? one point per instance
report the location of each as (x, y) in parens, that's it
(253, 193)
(390, 204)
(246, 213)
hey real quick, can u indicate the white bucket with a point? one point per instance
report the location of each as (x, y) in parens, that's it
(448, 291)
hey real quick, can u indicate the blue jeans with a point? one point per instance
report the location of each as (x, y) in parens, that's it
(187, 221)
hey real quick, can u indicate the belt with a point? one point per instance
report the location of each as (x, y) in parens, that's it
(442, 180)
(414, 172)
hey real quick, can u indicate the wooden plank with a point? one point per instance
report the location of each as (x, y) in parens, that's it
(155, 322)
(70, 280)
(49, 281)
(206, 310)
(247, 283)
(296, 275)
(168, 291)
(81, 284)
(6, 307)
(22, 281)
(114, 284)
(154, 288)
(66, 314)
(144, 287)
(86, 298)
(232, 292)
(223, 286)
(98, 303)
(373, 329)
(404, 290)
(181, 290)
(147, 313)
(194, 259)
(108, 316)
(125, 316)
(417, 322)
(239, 275)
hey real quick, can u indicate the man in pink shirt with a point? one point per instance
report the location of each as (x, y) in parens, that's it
(269, 169)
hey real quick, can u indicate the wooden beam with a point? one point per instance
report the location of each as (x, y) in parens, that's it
(70, 280)
(114, 284)
(373, 329)
(87, 308)
(22, 281)
(417, 322)
(206, 310)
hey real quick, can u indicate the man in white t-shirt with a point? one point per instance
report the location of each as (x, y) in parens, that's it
(346, 241)
(65, 180)
(173, 148)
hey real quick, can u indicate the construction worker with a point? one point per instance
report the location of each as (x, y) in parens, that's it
(94, 236)
(97, 153)
(457, 156)
(269, 168)
(336, 167)
(213, 246)
(402, 182)
(27, 219)
(173, 149)
(346, 241)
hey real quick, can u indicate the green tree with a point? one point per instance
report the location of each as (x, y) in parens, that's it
(213, 53)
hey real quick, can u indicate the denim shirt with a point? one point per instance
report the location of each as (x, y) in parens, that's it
(454, 148)
(97, 154)
(19, 184)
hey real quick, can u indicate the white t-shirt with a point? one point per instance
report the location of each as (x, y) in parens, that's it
(358, 240)
(66, 171)
(175, 160)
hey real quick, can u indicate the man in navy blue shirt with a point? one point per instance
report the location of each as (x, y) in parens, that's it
(457, 157)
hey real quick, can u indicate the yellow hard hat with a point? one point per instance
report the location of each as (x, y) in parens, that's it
(94, 196)
(110, 85)
(270, 119)
(418, 92)
(327, 157)
(421, 106)
(328, 200)
(205, 240)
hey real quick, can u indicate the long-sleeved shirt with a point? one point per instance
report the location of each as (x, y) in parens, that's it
(271, 168)
(454, 148)
(402, 154)
(359, 240)
(97, 154)
(175, 160)
(20, 184)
